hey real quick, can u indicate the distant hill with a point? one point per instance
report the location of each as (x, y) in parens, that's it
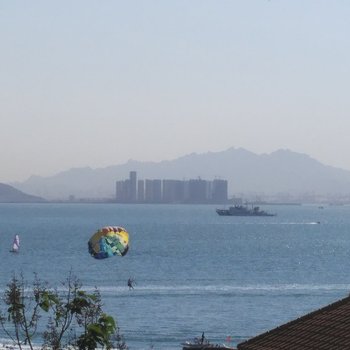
(9, 194)
(283, 171)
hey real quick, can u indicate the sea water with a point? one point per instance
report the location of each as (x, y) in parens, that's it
(194, 271)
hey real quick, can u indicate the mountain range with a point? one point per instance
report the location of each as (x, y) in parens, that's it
(282, 171)
(9, 194)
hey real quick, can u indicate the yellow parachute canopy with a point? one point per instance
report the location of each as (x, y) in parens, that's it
(109, 241)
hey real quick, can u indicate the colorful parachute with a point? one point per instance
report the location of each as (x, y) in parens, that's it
(109, 241)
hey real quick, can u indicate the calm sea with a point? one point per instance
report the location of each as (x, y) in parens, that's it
(194, 270)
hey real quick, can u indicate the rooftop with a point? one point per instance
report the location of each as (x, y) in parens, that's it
(326, 328)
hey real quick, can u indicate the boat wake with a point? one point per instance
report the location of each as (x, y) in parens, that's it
(265, 223)
(294, 223)
(285, 289)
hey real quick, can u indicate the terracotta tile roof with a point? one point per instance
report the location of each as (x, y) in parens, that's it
(326, 328)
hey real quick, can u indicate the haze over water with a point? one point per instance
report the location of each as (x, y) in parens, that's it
(90, 83)
(194, 270)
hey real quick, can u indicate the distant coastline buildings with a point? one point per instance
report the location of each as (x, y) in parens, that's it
(132, 190)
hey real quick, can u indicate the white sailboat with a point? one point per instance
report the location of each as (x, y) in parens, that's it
(15, 245)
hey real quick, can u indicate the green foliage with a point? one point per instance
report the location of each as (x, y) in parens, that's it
(47, 300)
(118, 341)
(62, 309)
(74, 318)
(99, 333)
(21, 314)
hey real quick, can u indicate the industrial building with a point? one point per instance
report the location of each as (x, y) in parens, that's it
(132, 190)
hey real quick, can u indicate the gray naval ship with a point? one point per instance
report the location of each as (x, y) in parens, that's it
(242, 210)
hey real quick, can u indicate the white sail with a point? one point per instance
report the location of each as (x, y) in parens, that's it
(15, 245)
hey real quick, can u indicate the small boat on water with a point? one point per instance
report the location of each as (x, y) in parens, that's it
(206, 347)
(15, 244)
(241, 210)
(204, 344)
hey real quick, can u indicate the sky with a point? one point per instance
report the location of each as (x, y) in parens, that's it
(97, 83)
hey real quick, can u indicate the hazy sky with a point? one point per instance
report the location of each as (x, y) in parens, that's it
(96, 83)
